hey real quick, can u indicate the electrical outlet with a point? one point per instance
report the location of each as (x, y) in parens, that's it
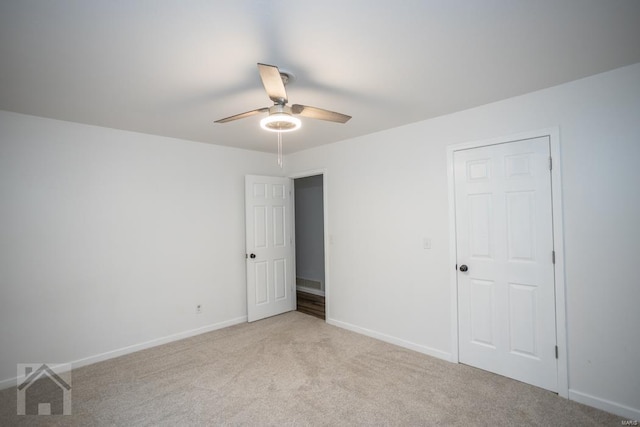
(198, 309)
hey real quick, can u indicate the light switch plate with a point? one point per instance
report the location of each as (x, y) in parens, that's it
(426, 243)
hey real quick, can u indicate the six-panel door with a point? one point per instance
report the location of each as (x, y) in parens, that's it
(269, 237)
(504, 235)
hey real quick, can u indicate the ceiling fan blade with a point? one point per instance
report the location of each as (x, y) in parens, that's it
(273, 84)
(319, 113)
(243, 115)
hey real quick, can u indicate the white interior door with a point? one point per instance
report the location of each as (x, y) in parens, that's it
(504, 243)
(270, 252)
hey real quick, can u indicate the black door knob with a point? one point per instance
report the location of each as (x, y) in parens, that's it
(463, 268)
(252, 256)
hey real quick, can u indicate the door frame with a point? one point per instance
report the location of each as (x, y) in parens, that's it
(553, 134)
(325, 219)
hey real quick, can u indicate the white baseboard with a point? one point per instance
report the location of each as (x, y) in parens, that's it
(310, 290)
(392, 340)
(12, 382)
(606, 405)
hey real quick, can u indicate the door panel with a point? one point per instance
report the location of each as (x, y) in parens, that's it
(259, 227)
(480, 225)
(521, 230)
(280, 278)
(522, 319)
(279, 222)
(261, 270)
(504, 234)
(269, 231)
(482, 312)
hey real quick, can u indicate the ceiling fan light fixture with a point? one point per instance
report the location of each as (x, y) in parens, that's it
(280, 122)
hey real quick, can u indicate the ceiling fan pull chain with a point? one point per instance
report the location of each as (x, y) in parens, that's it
(280, 149)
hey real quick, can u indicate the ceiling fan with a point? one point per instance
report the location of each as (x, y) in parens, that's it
(281, 116)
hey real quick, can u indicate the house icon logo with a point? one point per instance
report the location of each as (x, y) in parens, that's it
(45, 389)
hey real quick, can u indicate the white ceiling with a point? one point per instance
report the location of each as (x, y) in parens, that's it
(172, 67)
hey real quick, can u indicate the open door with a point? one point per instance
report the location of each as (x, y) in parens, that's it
(269, 246)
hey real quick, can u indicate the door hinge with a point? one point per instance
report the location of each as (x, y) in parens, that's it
(553, 257)
(550, 163)
(556, 352)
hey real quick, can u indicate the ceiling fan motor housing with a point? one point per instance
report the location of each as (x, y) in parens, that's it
(280, 119)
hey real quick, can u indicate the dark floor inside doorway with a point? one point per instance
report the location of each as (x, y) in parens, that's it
(311, 304)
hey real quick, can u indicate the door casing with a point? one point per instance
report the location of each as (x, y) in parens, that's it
(558, 243)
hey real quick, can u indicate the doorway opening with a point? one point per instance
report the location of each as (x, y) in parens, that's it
(310, 245)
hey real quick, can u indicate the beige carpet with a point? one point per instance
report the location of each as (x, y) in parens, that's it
(294, 369)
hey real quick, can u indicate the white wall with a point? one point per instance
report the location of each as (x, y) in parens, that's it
(388, 190)
(110, 239)
(309, 228)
